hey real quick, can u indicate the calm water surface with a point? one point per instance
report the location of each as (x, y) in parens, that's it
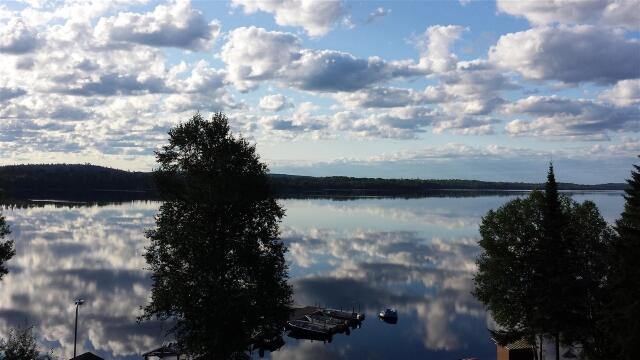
(416, 255)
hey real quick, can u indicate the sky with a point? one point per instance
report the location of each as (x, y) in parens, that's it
(397, 89)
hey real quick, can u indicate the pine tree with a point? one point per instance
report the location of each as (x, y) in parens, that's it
(554, 279)
(622, 318)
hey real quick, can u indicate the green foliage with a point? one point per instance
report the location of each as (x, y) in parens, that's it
(7, 250)
(621, 318)
(217, 261)
(542, 270)
(20, 345)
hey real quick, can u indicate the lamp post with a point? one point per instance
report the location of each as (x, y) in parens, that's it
(78, 302)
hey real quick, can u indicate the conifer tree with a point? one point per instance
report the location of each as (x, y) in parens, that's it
(622, 318)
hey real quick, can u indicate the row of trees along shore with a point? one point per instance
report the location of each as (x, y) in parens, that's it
(553, 269)
(68, 180)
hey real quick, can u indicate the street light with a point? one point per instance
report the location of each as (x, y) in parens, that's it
(78, 302)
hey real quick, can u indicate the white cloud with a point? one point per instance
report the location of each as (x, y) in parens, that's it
(467, 125)
(254, 55)
(16, 37)
(274, 102)
(555, 116)
(624, 93)
(436, 44)
(569, 54)
(174, 25)
(316, 17)
(7, 93)
(622, 13)
(380, 97)
(397, 123)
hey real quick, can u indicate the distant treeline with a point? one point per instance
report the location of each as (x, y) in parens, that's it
(106, 183)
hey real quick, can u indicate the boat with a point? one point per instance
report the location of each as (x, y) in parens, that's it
(336, 325)
(301, 329)
(389, 314)
(352, 317)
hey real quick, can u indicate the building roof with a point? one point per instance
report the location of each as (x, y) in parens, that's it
(515, 345)
(520, 344)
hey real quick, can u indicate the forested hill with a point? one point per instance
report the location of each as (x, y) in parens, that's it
(55, 178)
(71, 177)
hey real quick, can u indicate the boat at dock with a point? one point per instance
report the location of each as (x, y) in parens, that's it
(336, 325)
(310, 327)
(352, 317)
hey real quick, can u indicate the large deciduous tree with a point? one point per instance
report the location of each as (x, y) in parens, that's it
(217, 262)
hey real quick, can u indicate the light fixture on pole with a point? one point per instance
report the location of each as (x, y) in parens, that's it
(78, 302)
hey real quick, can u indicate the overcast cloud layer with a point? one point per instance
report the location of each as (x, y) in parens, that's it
(320, 83)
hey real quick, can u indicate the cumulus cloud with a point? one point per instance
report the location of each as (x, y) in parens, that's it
(436, 43)
(274, 102)
(16, 37)
(317, 18)
(303, 119)
(569, 54)
(624, 93)
(380, 97)
(118, 84)
(556, 116)
(7, 93)
(254, 54)
(174, 25)
(399, 123)
(467, 125)
(618, 13)
(473, 89)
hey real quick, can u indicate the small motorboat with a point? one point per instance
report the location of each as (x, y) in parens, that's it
(389, 315)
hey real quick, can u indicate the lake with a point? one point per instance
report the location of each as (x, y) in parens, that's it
(416, 255)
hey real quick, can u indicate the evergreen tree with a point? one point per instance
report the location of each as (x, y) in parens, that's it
(217, 261)
(621, 319)
(553, 282)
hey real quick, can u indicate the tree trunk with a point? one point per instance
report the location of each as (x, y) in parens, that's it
(541, 344)
(557, 346)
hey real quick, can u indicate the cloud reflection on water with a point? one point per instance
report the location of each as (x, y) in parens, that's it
(89, 252)
(416, 255)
